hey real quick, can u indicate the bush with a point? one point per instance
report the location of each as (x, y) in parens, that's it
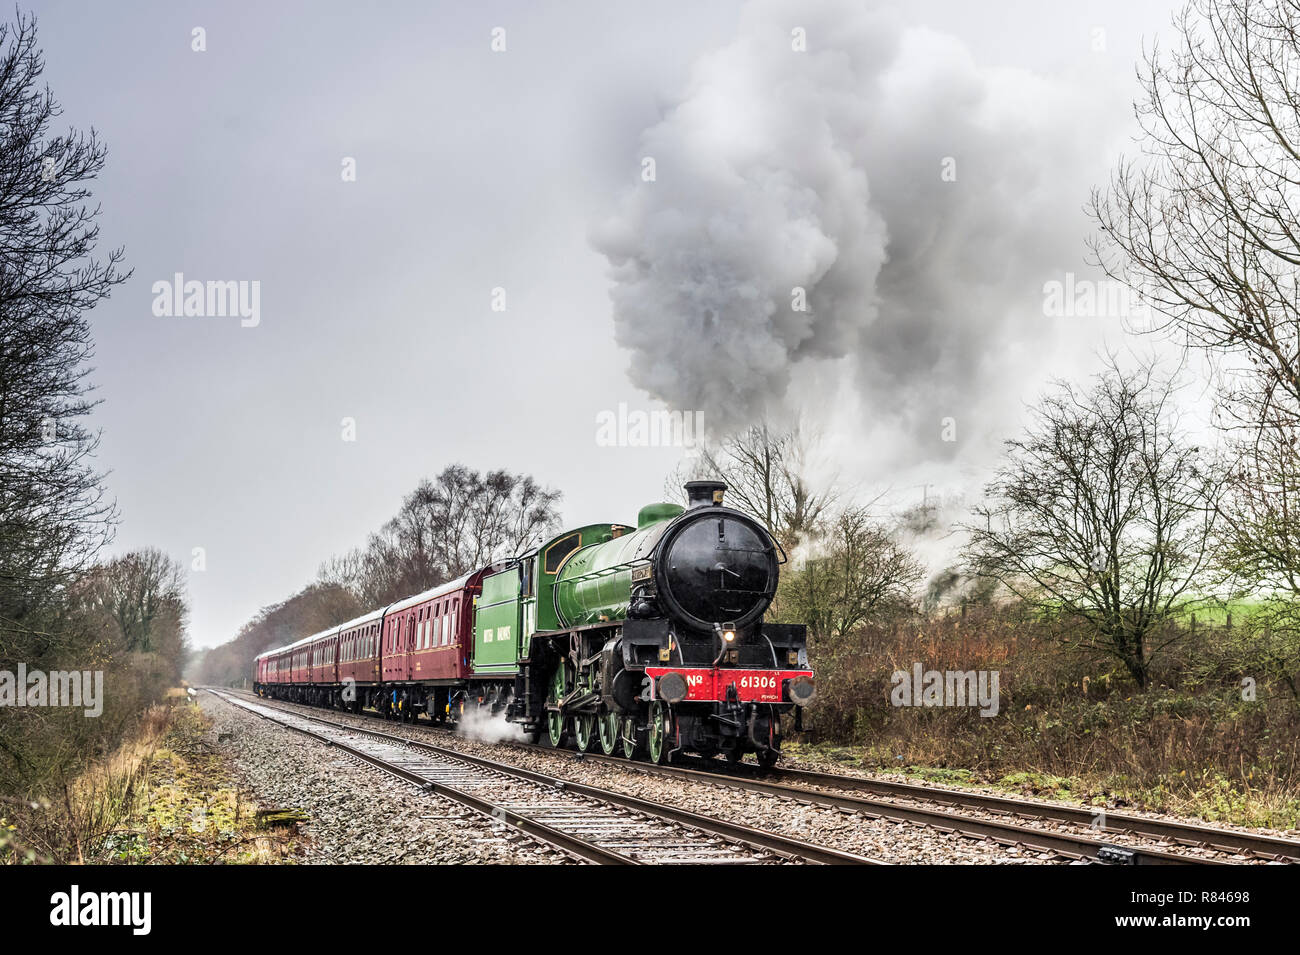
(1193, 738)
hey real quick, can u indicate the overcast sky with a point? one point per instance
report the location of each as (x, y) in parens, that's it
(478, 169)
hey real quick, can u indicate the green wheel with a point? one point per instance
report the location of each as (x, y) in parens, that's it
(556, 729)
(584, 731)
(607, 724)
(633, 737)
(661, 733)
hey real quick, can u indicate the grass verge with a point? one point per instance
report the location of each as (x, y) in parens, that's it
(165, 796)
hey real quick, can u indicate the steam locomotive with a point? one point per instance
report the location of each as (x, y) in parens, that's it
(647, 641)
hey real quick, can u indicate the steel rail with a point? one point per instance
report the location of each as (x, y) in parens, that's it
(758, 839)
(1276, 848)
(571, 845)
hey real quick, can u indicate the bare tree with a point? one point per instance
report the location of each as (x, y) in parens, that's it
(1103, 515)
(1206, 228)
(311, 610)
(1261, 542)
(1205, 225)
(862, 571)
(767, 475)
(141, 598)
(458, 522)
(53, 512)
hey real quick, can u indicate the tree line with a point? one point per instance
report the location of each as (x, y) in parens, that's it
(447, 526)
(63, 605)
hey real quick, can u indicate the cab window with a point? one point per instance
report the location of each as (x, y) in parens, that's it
(556, 553)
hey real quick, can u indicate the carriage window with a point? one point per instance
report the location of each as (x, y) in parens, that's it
(561, 549)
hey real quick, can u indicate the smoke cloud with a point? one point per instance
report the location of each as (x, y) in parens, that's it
(915, 197)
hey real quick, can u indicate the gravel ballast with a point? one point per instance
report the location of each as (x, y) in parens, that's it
(850, 832)
(356, 813)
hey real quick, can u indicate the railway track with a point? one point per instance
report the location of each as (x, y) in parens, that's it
(1005, 820)
(956, 815)
(1190, 835)
(590, 824)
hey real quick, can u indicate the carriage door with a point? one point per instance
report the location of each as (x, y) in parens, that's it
(408, 646)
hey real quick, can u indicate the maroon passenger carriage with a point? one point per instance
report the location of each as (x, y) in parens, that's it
(411, 656)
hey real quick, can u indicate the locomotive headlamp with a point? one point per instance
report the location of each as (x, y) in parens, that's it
(726, 634)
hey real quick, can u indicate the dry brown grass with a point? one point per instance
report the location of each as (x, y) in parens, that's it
(69, 825)
(162, 796)
(1068, 721)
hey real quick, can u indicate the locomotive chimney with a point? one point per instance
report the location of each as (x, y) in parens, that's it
(704, 493)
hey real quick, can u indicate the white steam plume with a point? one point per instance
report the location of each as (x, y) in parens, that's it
(824, 170)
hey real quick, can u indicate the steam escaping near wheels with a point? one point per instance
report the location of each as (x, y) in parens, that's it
(485, 727)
